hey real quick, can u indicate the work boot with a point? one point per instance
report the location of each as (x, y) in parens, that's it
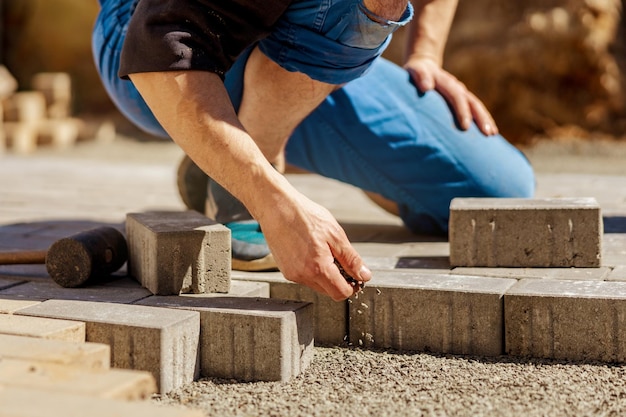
(199, 192)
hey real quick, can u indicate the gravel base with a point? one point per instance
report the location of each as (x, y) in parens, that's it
(355, 382)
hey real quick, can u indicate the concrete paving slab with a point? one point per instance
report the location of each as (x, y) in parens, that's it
(614, 249)
(377, 249)
(87, 355)
(119, 384)
(378, 262)
(617, 274)
(584, 274)
(428, 312)
(571, 320)
(10, 281)
(249, 339)
(436, 264)
(159, 340)
(331, 318)
(18, 402)
(68, 330)
(9, 306)
(606, 189)
(239, 289)
(511, 232)
(47, 289)
(28, 197)
(436, 248)
(178, 252)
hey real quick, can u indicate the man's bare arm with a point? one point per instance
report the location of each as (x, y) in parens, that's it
(194, 108)
(428, 34)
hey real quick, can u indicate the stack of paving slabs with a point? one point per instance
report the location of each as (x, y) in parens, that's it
(41, 116)
(47, 368)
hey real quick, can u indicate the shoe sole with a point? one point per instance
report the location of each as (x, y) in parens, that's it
(192, 185)
(266, 263)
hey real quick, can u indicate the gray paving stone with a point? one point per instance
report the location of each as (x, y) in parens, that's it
(572, 320)
(379, 262)
(239, 289)
(174, 252)
(387, 250)
(435, 264)
(10, 281)
(47, 289)
(426, 249)
(614, 249)
(584, 274)
(120, 384)
(331, 318)
(10, 306)
(429, 312)
(618, 274)
(553, 232)
(86, 355)
(68, 330)
(249, 339)
(159, 340)
(20, 402)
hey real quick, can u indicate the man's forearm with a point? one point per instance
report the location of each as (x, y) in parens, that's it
(195, 110)
(428, 32)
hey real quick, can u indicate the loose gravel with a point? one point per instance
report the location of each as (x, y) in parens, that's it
(354, 382)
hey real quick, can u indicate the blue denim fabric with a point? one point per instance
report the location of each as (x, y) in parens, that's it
(377, 133)
(332, 41)
(107, 39)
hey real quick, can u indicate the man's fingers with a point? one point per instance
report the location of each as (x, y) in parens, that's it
(423, 79)
(335, 285)
(351, 266)
(483, 118)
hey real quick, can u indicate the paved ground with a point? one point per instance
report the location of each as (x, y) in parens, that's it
(53, 193)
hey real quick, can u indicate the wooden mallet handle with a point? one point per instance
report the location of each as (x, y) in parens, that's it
(74, 260)
(23, 257)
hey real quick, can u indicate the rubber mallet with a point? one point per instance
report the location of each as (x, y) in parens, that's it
(74, 260)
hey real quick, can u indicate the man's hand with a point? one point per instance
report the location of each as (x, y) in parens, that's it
(305, 239)
(428, 75)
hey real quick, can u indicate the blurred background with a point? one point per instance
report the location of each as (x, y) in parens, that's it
(545, 68)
